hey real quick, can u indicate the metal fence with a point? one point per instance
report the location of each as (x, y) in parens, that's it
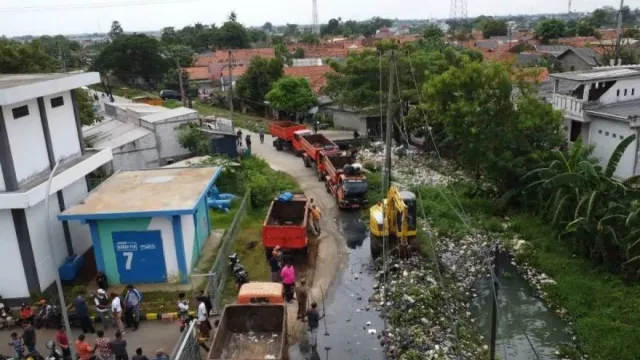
(216, 278)
(187, 347)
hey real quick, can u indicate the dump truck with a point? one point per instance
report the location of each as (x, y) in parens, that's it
(310, 146)
(345, 180)
(283, 131)
(251, 332)
(286, 225)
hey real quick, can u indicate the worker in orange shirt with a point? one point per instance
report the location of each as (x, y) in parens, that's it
(316, 215)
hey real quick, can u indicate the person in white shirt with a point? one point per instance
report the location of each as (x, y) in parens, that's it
(203, 319)
(116, 309)
(183, 311)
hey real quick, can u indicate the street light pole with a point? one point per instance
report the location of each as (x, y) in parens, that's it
(63, 305)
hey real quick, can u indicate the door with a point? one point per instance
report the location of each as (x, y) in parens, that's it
(140, 256)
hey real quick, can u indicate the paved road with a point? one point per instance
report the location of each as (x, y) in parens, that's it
(151, 336)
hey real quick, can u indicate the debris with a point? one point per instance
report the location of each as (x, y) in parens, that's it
(372, 331)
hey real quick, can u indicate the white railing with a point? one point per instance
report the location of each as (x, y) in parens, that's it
(570, 105)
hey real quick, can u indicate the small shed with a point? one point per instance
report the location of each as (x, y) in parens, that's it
(148, 226)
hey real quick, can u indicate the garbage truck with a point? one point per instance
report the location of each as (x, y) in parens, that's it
(345, 180)
(286, 224)
(282, 132)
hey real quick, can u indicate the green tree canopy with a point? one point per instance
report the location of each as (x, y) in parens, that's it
(310, 38)
(68, 52)
(181, 54)
(550, 29)
(580, 28)
(493, 27)
(130, 57)
(17, 58)
(432, 32)
(291, 94)
(233, 35)
(116, 30)
(268, 27)
(259, 78)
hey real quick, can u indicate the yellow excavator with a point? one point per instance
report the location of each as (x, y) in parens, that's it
(394, 218)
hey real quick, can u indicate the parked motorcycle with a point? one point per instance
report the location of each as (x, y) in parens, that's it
(54, 352)
(238, 271)
(49, 317)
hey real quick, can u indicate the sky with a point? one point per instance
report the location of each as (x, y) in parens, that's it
(50, 17)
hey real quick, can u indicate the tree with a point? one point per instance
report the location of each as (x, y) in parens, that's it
(432, 32)
(180, 54)
(631, 34)
(291, 94)
(233, 35)
(310, 38)
(193, 139)
(268, 27)
(116, 30)
(332, 28)
(605, 16)
(291, 30)
(260, 76)
(17, 58)
(472, 106)
(133, 57)
(282, 53)
(86, 112)
(492, 27)
(299, 53)
(550, 29)
(580, 28)
(596, 214)
(69, 53)
(233, 17)
(199, 37)
(170, 36)
(257, 35)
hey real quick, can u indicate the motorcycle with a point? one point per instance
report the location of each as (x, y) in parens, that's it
(240, 275)
(48, 317)
(54, 352)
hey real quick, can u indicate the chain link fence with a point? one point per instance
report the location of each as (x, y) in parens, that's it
(187, 347)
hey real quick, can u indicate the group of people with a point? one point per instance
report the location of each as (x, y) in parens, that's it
(202, 316)
(111, 309)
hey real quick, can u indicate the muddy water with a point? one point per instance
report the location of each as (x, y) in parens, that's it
(349, 321)
(519, 313)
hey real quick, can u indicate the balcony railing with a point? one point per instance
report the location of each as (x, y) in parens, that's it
(570, 105)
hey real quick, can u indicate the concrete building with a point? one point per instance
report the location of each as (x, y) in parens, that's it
(141, 136)
(576, 59)
(351, 119)
(148, 226)
(602, 108)
(39, 127)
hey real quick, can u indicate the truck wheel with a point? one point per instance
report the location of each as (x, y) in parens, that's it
(279, 147)
(298, 153)
(306, 162)
(375, 246)
(326, 186)
(320, 177)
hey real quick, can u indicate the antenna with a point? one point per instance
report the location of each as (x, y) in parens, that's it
(316, 23)
(458, 10)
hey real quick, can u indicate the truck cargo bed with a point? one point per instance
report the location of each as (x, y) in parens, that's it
(291, 213)
(339, 161)
(285, 124)
(318, 141)
(252, 345)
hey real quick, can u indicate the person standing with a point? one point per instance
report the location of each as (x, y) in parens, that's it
(116, 309)
(288, 275)
(84, 350)
(103, 307)
(203, 319)
(132, 301)
(119, 347)
(103, 346)
(29, 337)
(247, 140)
(183, 311)
(316, 215)
(206, 300)
(139, 355)
(261, 135)
(301, 295)
(274, 264)
(62, 341)
(313, 317)
(82, 312)
(239, 137)
(16, 342)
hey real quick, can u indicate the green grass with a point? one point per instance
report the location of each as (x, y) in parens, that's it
(221, 220)
(249, 122)
(605, 310)
(172, 104)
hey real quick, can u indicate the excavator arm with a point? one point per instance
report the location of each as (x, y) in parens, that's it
(397, 215)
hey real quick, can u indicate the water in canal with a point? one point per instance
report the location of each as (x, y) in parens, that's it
(519, 312)
(350, 322)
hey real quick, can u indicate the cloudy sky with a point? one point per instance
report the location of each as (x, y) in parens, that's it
(38, 17)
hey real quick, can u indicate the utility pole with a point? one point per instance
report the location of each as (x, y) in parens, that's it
(619, 33)
(230, 87)
(182, 94)
(62, 63)
(494, 307)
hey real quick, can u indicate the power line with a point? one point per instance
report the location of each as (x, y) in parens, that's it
(91, 6)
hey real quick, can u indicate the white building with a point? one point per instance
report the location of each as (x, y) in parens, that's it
(39, 126)
(141, 136)
(602, 108)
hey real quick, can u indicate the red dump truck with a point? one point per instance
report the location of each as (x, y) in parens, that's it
(310, 146)
(283, 131)
(345, 180)
(286, 225)
(251, 332)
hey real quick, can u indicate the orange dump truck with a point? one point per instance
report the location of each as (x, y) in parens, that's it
(310, 146)
(345, 180)
(286, 225)
(282, 132)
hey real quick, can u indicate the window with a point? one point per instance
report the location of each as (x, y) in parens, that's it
(20, 111)
(606, 133)
(618, 92)
(614, 135)
(57, 101)
(633, 91)
(599, 131)
(621, 137)
(573, 68)
(625, 92)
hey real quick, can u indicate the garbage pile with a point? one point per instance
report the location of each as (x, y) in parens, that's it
(410, 167)
(420, 314)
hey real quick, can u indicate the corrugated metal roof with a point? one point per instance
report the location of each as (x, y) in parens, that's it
(624, 109)
(113, 134)
(598, 74)
(168, 115)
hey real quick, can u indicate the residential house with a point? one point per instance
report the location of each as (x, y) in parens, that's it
(353, 119)
(142, 136)
(553, 50)
(602, 108)
(200, 77)
(39, 128)
(236, 73)
(576, 59)
(314, 74)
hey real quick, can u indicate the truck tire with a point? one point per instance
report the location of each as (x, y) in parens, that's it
(279, 146)
(320, 176)
(298, 153)
(326, 186)
(375, 245)
(306, 162)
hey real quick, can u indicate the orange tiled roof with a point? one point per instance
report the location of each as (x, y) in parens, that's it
(204, 60)
(537, 75)
(245, 54)
(198, 73)
(314, 74)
